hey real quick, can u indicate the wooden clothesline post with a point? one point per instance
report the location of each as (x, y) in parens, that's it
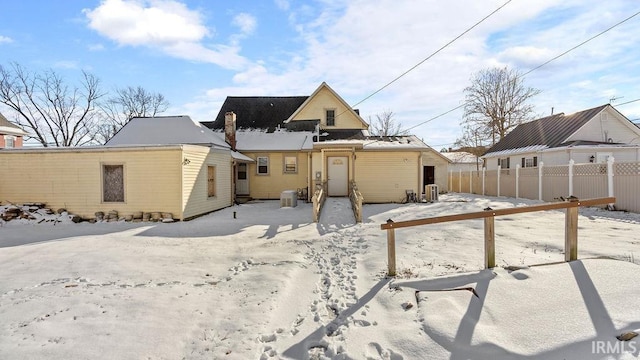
(570, 235)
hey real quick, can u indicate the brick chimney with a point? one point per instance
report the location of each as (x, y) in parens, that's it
(230, 129)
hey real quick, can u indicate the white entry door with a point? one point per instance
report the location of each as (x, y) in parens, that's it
(338, 175)
(242, 180)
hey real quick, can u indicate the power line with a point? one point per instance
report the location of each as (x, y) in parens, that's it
(582, 43)
(539, 66)
(430, 56)
(628, 102)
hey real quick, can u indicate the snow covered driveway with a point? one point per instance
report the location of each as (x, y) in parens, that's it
(271, 284)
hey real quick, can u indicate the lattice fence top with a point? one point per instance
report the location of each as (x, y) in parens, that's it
(626, 168)
(556, 170)
(590, 169)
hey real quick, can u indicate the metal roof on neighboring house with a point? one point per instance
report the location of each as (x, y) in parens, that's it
(548, 132)
(257, 112)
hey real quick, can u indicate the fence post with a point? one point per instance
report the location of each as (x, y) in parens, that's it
(571, 234)
(540, 171)
(610, 176)
(470, 181)
(484, 173)
(517, 181)
(489, 242)
(571, 163)
(451, 180)
(460, 181)
(391, 250)
(499, 171)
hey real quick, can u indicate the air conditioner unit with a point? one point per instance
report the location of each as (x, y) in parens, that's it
(431, 192)
(289, 198)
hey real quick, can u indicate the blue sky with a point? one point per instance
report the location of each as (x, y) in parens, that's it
(198, 52)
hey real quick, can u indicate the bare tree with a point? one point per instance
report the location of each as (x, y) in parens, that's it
(385, 125)
(54, 113)
(127, 103)
(496, 102)
(473, 142)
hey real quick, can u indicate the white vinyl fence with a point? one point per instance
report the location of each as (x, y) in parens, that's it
(550, 183)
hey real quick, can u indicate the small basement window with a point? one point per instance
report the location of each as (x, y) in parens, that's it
(113, 183)
(211, 181)
(263, 165)
(290, 164)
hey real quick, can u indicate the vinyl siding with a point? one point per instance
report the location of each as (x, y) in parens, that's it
(385, 176)
(324, 99)
(195, 199)
(73, 179)
(608, 125)
(270, 186)
(441, 174)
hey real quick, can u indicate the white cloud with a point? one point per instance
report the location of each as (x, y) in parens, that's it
(162, 24)
(5, 39)
(525, 56)
(282, 4)
(246, 22)
(358, 46)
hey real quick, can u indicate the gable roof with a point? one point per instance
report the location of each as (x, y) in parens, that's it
(6, 127)
(324, 85)
(548, 132)
(257, 112)
(165, 130)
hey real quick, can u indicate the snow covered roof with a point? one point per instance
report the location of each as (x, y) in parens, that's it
(166, 130)
(461, 157)
(380, 142)
(256, 140)
(521, 150)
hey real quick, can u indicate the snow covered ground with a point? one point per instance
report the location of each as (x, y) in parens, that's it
(271, 284)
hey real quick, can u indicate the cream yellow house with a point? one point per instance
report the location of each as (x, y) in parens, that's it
(299, 142)
(184, 180)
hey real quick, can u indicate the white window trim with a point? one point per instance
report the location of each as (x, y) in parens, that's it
(284, 164)
(13, 141)
(258, 166)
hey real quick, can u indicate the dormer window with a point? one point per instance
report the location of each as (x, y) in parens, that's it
(331, 117)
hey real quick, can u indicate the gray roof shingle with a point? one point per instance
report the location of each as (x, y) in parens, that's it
(257, 112)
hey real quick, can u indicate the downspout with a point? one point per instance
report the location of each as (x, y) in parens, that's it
(310, 187)
(420, 175)
(353, 166)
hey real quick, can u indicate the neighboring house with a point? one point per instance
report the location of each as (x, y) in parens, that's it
(10, 135)
(299, 142)
(463, 161)
(591, 135)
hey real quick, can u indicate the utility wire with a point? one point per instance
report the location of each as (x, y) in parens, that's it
(628, 102)
(541, 65)
(430, 56)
